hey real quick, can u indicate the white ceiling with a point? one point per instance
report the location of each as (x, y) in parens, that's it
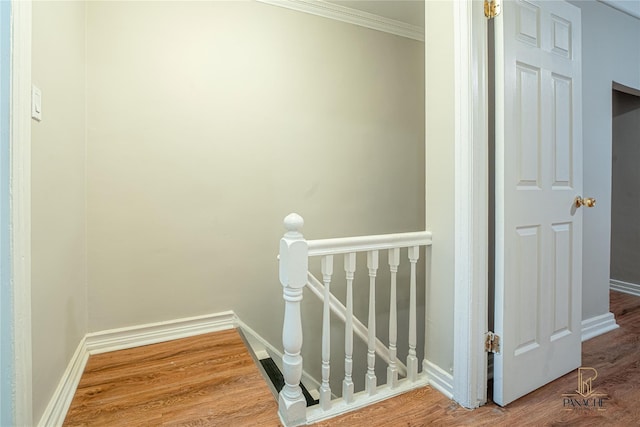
(407, 11)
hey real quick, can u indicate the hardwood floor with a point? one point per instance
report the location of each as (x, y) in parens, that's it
(211, 380)
(207, 380)
(615, 355)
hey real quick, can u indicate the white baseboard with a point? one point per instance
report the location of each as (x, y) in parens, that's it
(626, 287)
(120, 339)
(153, 333)
(598, 325)
(439, 379)
(56, 411)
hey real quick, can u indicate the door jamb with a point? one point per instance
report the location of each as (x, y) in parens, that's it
(471, 203)
(20, 207)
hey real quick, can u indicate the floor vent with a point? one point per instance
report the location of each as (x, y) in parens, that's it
(274, 374)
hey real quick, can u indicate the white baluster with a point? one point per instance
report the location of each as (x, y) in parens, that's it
(325, 389)
(392, 369)
(412, 360)
(293, 277)
(347, 383)
(371, 382)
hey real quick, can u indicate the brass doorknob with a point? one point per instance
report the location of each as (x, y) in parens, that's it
(587, 201)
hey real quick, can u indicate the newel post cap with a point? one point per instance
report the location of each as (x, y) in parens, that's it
(293, 223)
(293, 253)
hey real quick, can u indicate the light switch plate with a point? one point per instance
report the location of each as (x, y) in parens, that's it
(36, 103)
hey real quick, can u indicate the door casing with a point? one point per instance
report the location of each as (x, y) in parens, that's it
(471, 203)
(20, 207)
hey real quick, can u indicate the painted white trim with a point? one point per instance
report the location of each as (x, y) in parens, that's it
(153, 333)
(20, 216)
(351, 16)
(471, 204)
(56, 411)
(598, 325)
(439, 379)
(626, 287)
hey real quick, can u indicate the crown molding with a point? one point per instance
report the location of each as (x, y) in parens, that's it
(351, 16)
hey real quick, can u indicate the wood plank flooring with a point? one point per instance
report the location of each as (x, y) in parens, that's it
(207, 380)
(211, 380)
(615, 355)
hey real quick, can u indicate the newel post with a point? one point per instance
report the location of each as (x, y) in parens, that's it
(293, 277)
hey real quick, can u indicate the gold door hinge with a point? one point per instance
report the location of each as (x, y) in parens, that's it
(492, 8)
(492, 343)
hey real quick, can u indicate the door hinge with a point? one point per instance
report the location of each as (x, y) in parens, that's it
(492, 343)
(492, 8)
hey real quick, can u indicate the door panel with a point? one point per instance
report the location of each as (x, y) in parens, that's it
(528, 289)
(528, 134)
(538, 176)
(561, 113)
(562, 268)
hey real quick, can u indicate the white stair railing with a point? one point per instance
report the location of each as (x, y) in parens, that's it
(337, 308)
(294, 254)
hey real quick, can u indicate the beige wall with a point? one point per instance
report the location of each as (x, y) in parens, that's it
(440, 178)
(59, 293)
(208, 122)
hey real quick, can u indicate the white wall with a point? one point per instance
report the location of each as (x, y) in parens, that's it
(59, 293)
(610, 52)
(208, 122)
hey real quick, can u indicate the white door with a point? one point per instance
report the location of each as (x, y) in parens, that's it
(538, 176)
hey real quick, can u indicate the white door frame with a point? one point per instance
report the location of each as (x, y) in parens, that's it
(20, 207)
(471, 203)
(6, 297)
